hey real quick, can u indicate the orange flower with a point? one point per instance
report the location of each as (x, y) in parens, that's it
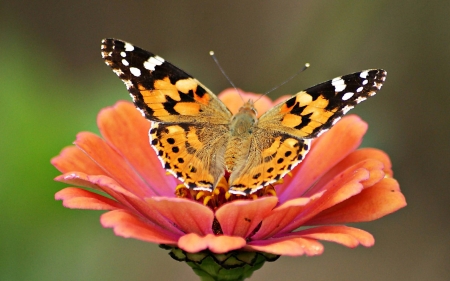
(335, 184)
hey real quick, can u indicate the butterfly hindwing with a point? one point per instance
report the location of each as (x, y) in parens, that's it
(185, 151)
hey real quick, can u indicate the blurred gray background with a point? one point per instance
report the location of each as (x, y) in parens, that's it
(53, 82)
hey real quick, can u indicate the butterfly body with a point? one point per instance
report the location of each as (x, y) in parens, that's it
(198, 139)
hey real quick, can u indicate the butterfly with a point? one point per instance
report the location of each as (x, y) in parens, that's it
(198, 139)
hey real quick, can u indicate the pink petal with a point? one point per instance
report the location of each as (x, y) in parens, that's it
(194, 243)
(372, 203)
(384, 166)
(77, 198)
(102, 183)
(374, 167)
(287, 246)
(241, 217)
(125, 129)
(126, 198)
(188, 216)
(341, 188)
(326, 151)
(113, 164)
(344, 235)
(280, 217)
(129, 226)
(73, 159)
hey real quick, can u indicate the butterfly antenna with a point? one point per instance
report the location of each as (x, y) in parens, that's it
(211, 53)
(287, 80)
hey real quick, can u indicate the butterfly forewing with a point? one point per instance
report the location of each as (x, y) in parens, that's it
(162, 91)
(314, 110)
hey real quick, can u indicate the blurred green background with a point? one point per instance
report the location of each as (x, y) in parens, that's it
(53, 82)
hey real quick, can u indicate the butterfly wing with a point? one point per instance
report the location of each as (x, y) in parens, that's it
(313, 111)
(294, 122)
(189, 120)
(162, 91)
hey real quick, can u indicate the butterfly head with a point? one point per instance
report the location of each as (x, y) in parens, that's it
(248, 109)
(244, 121)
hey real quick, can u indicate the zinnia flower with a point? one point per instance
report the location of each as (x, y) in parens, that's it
(336, 184)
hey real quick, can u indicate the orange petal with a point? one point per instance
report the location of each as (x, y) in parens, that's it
(287, 246)
(326, 151)
(241, 217)
(125, 129)
(341, 188)
(344, 235)
(113, 164)
(188, 216)
(77, 198)
(102, 183)
(73, 159)
(280, 217)
(129, 226)
(127, 199)
(374, 167)
(372, 203)
(358, 156)
(194, 243)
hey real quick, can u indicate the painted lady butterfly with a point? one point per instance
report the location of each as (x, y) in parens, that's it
(197, 138)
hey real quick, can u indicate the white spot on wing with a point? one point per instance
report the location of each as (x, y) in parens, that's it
(346, 108)
(339, 84)
(125, 62)
(335, 121)
(360, 99)
(364, 74)
(117, 71)
(135, 71)
(129, 47)
(152, 62)
(365, 82)
(359, 89)
(128, 83)
(347, 95)
(123, 54)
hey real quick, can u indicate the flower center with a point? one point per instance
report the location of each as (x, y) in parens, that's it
(220, 195)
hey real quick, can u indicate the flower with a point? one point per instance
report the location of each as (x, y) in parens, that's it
(336, 184)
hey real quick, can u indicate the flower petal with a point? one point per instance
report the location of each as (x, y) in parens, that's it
(103, 183)
(77, 198)
(326, 151)
(384, 167)
(341, 188)
(241, 217)
(188, 216)
(194, 243)
(234, 100)
(126, 198)
(73, 159)
(287, 246)
(372, 203)
(280, 217)
(374, 167)
(129, 226)
(344, 235)
(125, 129)
(112, 163)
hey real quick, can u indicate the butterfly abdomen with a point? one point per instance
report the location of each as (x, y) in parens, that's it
(240, 135)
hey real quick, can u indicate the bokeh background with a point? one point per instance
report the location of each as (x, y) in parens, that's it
(53, 82)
